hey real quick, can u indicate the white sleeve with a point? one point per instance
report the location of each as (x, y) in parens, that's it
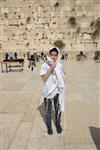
(43, 70)
(61, 66)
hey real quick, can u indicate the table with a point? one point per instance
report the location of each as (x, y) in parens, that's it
(12, 63)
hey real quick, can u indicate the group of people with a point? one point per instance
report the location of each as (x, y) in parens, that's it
(32, 58)
(81, 56)
(10, 55)
(97, 56)
(64, 56)
(44, 56)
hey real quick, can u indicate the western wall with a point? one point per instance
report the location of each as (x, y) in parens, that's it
(34, 25)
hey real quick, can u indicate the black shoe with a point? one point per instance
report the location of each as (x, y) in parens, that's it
(50, 131)
(59, 129)
(32, 68)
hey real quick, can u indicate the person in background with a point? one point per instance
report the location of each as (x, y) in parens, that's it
(15, 55)
(6, 57)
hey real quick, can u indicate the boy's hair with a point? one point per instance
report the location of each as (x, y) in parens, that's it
(53, 50)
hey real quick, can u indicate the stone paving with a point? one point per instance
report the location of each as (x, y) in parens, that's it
(22, 109)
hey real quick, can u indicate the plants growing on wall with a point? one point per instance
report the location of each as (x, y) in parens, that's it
(56, 4)
(27, 44)
(6, 16)
(59, 44)
(92, 24)
(97, 23)
(28, 19)
(72, 20)
(95, 27)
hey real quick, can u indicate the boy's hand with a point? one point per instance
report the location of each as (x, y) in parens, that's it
(51, 69)
(53, 66)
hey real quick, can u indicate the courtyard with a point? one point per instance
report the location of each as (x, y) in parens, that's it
(22, 109)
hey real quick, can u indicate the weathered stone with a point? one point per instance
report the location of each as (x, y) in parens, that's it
(48, 16)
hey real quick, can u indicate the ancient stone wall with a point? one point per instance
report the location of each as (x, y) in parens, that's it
(36, 24)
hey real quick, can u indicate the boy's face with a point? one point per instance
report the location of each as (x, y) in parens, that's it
(54, 56)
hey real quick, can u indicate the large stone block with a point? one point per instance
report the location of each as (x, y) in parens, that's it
(48, 21)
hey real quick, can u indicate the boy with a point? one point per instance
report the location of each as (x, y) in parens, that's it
(53, 90)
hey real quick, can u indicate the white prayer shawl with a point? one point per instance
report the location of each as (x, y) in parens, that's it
(56, 85)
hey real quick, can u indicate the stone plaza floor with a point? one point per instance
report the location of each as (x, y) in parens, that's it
(22, 109)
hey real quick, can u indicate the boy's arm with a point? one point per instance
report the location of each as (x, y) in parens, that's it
(63, 70)
(50, 70)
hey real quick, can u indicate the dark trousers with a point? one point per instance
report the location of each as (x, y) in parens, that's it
(48, 108)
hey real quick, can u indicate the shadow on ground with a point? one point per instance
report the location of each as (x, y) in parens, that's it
(41, 109)
(95, 134)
